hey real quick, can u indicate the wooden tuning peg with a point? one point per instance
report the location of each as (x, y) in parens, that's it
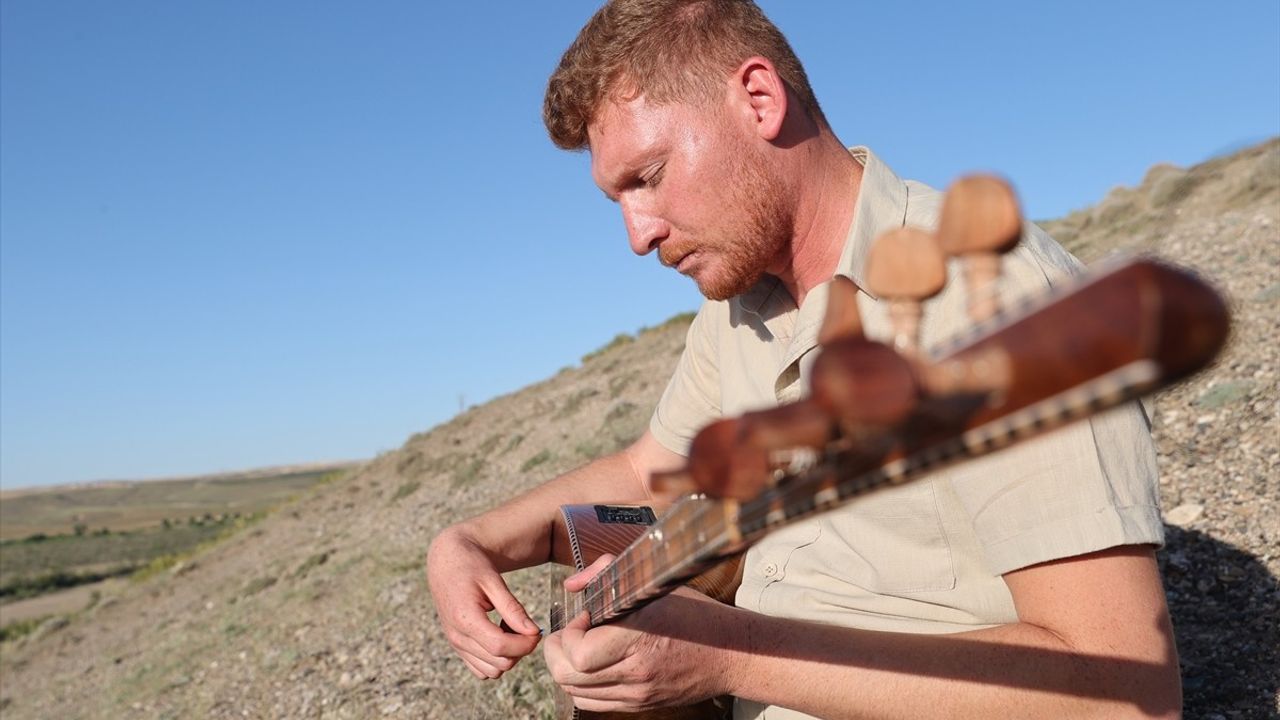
(842, 320)
(861, 383)
(980, 220)
(672, 485)
(732, 458)
(906, 266)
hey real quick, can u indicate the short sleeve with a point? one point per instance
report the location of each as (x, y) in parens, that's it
(1086, 487)
(1081, 488)
(692, 397)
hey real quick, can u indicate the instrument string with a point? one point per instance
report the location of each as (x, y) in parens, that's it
(594, 595)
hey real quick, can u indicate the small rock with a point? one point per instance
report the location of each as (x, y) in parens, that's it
(1184, 515)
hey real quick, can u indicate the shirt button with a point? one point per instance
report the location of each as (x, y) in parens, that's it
(770, 570)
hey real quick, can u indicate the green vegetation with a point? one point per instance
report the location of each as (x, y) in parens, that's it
(679, 319)
(574, 402)
(490, 444)
(43, 563)
(618, 341)
(589, 449)
(623, 424)
(535, 461)
(1224, 394)
(258, 584)
(467, 472)
(416, 464)
(619, 412)
(619, 383)
(171, 559)
(15, 630)
(310, 563)
(25, 587)
(513, 443)
(406, 490)
(131, 506)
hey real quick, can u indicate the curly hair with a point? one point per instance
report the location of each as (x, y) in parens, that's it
(668, 51)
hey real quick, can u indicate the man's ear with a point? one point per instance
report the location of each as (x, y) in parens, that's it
(762, 96)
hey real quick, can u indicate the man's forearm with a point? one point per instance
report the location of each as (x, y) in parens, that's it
(519, 533)
(1017, 670)
(1094, 640)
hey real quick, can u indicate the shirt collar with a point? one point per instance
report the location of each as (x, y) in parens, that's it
(881, 206)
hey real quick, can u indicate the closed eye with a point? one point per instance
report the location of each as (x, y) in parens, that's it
(653, 178)
(649, 179)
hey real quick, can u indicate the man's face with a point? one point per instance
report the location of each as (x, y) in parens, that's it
(692, 186)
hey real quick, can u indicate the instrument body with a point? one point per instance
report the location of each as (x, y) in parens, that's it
(595, 530)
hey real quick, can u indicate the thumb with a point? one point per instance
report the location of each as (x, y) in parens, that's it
(579, 580)
(509, 608)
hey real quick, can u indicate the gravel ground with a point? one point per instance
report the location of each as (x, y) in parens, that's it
(1221, 486)
(1218, 434)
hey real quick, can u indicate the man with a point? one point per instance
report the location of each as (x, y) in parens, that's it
(1023, 585)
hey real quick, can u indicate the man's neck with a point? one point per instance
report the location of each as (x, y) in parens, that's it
(829, 180)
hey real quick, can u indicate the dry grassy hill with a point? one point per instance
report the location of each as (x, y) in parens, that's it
(129, 505)
(321, 610)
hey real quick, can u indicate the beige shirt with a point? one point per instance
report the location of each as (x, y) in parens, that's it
(925, 557)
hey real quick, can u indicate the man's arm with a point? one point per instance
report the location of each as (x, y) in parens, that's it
(465, 562)
(1093, 640)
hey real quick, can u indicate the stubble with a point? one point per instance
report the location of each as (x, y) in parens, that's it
(761, 232)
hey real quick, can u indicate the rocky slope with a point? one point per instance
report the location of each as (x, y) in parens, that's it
(321, 609)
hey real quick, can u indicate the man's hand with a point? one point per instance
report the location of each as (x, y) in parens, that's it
(465, 586)
(664, 655)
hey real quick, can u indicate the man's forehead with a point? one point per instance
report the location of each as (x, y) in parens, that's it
(623, 134)
(623, 123)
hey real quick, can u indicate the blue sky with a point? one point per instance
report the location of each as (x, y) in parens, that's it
(237, 234)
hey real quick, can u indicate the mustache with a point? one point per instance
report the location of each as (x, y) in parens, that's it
(671, 255)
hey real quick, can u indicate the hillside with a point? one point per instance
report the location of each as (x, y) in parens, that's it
(321, 609)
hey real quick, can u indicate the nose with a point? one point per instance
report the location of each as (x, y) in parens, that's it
(645, 230)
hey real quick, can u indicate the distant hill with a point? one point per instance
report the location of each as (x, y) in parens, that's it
(321, 609)
(132, 504)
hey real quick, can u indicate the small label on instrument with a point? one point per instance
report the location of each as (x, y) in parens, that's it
(625, 514)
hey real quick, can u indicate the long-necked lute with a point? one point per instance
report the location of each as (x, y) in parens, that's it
(879, 416)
